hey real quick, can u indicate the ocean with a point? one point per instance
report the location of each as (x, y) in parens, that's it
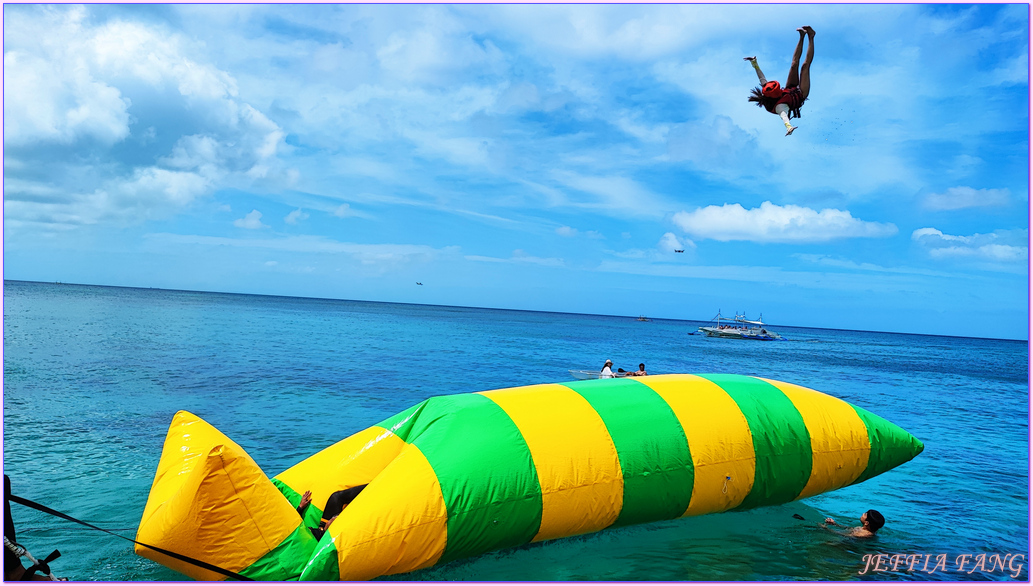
(93, 376)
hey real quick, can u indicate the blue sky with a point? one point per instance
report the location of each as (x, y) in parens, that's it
(530, 157)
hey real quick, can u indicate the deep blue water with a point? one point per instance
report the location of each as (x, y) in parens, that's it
(93, 375)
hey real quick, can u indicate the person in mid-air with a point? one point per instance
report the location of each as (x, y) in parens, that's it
(871, 521)
(786, 102)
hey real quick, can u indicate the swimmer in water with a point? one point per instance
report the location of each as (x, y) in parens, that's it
(871, 521)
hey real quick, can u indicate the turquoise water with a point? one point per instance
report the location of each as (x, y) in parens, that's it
(93, 375)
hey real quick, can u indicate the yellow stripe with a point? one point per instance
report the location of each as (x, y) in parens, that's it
(719, 440)
(398, 524)
(350, 462)
(839, 439)
(576, 461)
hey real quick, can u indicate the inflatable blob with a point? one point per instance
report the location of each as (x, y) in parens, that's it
(460, 475)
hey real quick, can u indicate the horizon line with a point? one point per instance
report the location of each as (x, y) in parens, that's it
(1026, 340)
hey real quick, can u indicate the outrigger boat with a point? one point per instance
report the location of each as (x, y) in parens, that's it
(739, 328)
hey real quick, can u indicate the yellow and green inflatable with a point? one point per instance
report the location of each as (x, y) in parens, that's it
(459, 475)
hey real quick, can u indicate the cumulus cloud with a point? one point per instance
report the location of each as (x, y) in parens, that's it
(252, 221)
(295, 216)
(170, 128)
(957, 198)
(55, 101)
(774, 223)
(566, 231)
(1002, 246)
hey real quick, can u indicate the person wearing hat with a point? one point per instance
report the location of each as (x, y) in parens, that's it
(606, 372)
(786, 102)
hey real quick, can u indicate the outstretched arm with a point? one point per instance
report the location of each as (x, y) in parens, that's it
(760, 74)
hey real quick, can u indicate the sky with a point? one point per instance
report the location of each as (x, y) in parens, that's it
(537, 157)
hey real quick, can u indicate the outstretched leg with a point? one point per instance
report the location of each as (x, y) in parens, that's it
(794, 69)
(805, 70)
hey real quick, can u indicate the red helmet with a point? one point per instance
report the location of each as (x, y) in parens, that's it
(772, 89)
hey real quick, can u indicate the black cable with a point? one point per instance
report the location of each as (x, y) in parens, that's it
(171, 554)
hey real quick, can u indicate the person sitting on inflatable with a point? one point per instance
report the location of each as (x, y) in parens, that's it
(786, 102)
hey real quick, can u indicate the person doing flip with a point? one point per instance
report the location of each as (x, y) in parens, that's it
(786, 102)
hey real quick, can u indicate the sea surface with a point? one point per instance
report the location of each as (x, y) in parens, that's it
(93, 376)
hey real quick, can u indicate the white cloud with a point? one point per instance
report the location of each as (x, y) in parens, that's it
(519, 256)
(957, 198)
(344, 211)
(435, 53)
(82, 84)
(252, 221)
(717, 147)
(58, 101)
(670, 243)
(842, 263)
(566, 231)
(295, 216)
(614, 195)
(774, 223)
(366, 254)
(1002, 246)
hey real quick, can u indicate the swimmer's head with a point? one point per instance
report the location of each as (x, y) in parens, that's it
(772, 89)
(874, 519)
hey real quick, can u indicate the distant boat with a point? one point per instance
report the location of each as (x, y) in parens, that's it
(739, 328)
(584, 374)
(643, 318)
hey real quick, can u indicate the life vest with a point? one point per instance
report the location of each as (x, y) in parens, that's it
(792, 97)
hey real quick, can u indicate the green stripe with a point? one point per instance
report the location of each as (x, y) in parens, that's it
(401, 424)
(485, 470)
(781, 441)
(651, 446)
(282, 562)
(322, 566)
(313, 514)
(891, 445)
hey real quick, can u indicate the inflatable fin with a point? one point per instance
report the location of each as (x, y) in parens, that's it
(211, 502)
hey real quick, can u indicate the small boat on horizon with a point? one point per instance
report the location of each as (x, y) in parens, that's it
(739, 328)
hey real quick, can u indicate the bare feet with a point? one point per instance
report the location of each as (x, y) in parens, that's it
(791, 129)
(810, 32)
(754, 58)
